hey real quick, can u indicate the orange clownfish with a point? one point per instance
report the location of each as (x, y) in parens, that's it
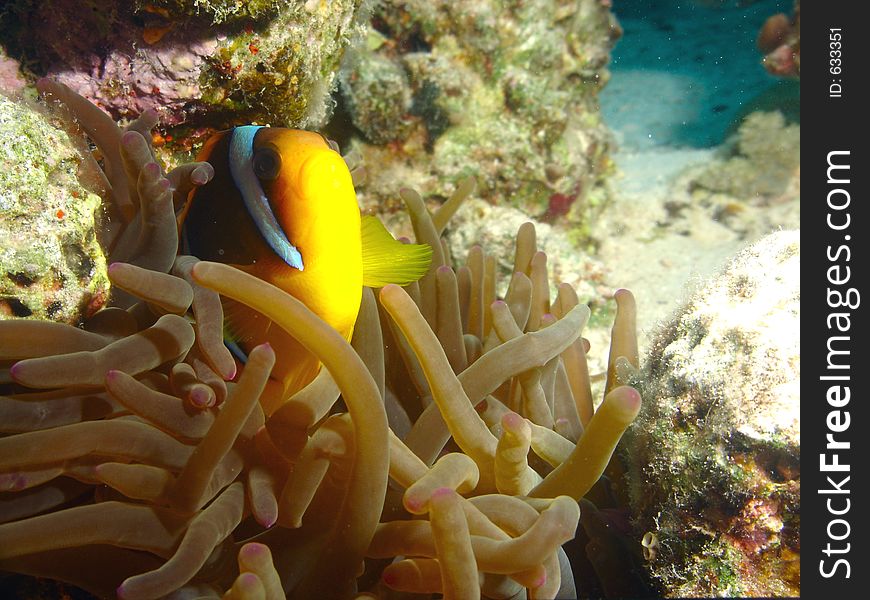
(282, 207)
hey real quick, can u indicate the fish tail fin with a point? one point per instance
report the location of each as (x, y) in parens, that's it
(386, 260)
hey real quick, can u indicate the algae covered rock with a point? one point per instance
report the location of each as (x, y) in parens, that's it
(505, 91)
(762, 162)
(378, 94)
(11, 81)
(51, 266)
(219, 11)
(714, 457)
(201, 64)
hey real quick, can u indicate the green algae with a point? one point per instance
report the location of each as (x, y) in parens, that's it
(220, 11)
(280, 70)
(51, 266)
(713, 458)
(506, 91)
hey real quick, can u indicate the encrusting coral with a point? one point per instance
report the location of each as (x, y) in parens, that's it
(136, 461)
(202, 64)
(714, 460)
(52, 266)
(504, 91)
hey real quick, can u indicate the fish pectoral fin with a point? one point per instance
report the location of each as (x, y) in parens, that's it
(387, 260)
(243, 325)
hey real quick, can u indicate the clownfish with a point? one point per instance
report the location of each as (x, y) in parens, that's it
(282, 206)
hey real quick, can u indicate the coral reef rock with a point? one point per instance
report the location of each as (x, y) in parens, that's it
(714, 455)
(504, 91)
(219, 11)
(51, 266)
(11, 81)
(207, 64)
(762, 163)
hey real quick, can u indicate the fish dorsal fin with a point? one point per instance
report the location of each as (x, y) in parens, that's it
(387, 260)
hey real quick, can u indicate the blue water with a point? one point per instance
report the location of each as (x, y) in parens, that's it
(684, 70)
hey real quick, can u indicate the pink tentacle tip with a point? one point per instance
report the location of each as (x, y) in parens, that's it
(622, 294)
(389, 578)
(633, 397)
(254, 549)
(15, 370)
(112, 375)
(512, 420)
(265, 348)
(541, 580)
(626, 402)
(119, 592)
(628, 396)
(201, 176)
(129, 138)
(442, 492)
(267, 521)
(201, 398)
(248, 579)
(413, 504)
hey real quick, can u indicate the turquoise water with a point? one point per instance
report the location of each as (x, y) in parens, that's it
(686, 70)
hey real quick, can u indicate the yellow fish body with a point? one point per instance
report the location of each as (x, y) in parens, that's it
(282, 207)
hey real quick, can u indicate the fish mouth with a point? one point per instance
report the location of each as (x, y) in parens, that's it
(241, 155)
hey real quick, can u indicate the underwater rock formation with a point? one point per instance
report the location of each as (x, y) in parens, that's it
(714, 457)
(762, 163)
(136, 460)
(503, 91)
(11, 81)
(220, 11)
(271, 63)
(52, 266)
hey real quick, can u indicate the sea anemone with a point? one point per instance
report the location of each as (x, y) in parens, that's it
(136, 461)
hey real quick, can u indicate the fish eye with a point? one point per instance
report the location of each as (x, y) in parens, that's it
(267, 163)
